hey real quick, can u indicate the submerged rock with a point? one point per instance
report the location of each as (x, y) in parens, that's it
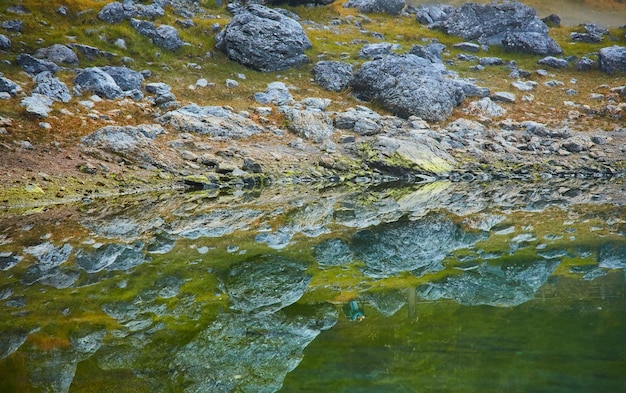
(111, 257)
(264, 39)
(333, 252)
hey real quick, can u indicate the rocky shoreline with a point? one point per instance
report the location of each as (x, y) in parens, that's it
(415, 114)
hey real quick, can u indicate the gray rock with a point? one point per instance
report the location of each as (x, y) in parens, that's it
(115, 12)
(111, 257)
(5, 42)
(14, 25)
(277, 93)
(593, 28)
(164, 36)
(366, 127)
(97, 81)
(162, 92)
(498, 286)
(417, 246)
(427, 14)
(553, 62)
(586, 37)
(612, 59)
(431, 51)
(124, 77)
(467, 46)
(486, 107)
(612, 255)
(372, 50)
(391, 7)
(33, 66)
(470, 89)
(503, 96)
(524, 85)
(407, 85)
(48, 256)
(150, 11)
(333, 252)
(8, 260)
(91, 52)
(491, 61)
(58, 54)
(62, 10)
(585, 64)
(388, 303)
(37, 104)
(11, 341)
(264, 39)
(8, 86)
(511, 24)
(265, 286)
(51, 87)
(311, 124)
(210, 120)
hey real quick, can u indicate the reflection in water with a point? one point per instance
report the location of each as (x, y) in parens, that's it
(458, 288)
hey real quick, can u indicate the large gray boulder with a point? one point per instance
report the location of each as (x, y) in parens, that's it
(97, 81)
(264, 39)
(512, 24)
(116, 12)
(432, 13)
(333, 75)
(408, 85)
(34, 66)
(164, 36)
(392, 7)
(125, 78)
(51, 87)
(613, 59)
(58, 54)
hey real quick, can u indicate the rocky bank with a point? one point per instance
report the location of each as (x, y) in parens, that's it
(81, 121)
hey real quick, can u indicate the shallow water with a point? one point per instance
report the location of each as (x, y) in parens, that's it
(609, 13)
(462, 288)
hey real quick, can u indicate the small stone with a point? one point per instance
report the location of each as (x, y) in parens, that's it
(503, 96)
(524, 85)
(45, 126)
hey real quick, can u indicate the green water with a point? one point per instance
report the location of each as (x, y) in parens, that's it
(463, 287)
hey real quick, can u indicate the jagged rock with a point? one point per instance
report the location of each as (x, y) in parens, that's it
(387, 303)
(5, 42)
(265, 286)
(37, 104)
(14, 25)
(164, 36)
(612, 59)
(58, 54)
(333, 75)
(552, 20)
(34, 66)
(427, 14)
(333, 252)
(111, 257)
(125, 78)
(586, 37)
(311, 124)
(511, 24)
(51, 87)
(277, 93)
(431, 52)
(48, 256)
(251, 165)
(99, 82)
(470, 89)
(150, 11)
(553, 62)
(595, 29)
(10, 341)
(8, 86)
(365, 127)
(612, 255)
(499, 286)
(503, 96)
(486, 107)
(91, 52)
(347, 120)
(116, 12)
(372, 50)
(210, 120)
(417, 246)
(163, 93)
(391, 7)
(407, 85)
(585, 64)
(264, 39)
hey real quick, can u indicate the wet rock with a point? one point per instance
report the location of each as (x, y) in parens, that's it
(311, 124)
(124, 77)
(265, 285)
(58, 54)
(553, 62)
(161, 244)
(264, 39)
(391, 7)
(431, 52)
(216, 223)
(427, 14)
(512, 25)
(589, 272)
(405, 84)
(486, 107)
(210, 120)
(87, 342)
(164, 36)
(386, 303)
(111, 257)
(276, 93)
(97, 81)
(249, 353)
(34, 66)
(5, 42)
(333, 252)
(51, 87)
(37, 105)
(612, 59)
(366, 127)
(372, 50)
(499, 286)
(8, 260)
(410, 246)
(612, 255)
(10, 341)
(8, 86)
